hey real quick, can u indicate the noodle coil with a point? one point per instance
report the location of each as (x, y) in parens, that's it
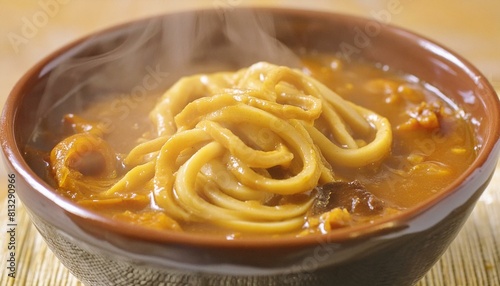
(228, 144)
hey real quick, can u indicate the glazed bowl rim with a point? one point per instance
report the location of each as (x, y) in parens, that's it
(13, 154)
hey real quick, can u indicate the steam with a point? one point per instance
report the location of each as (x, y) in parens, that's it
(177, 45)
(247, 37)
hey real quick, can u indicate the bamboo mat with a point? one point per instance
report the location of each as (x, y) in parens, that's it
(468, 27)
(473, 259)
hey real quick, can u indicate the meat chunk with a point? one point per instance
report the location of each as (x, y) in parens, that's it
(425, 116)
(351, 196)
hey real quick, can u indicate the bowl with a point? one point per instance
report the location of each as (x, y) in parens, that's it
(150, 54)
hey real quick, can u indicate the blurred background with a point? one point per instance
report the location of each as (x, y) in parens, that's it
(30, 30)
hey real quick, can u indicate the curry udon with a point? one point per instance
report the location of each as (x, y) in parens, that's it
(265, 149)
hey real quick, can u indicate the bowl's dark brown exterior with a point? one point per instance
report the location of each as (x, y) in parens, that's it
(391, 252)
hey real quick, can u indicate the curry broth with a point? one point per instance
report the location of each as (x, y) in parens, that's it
(432, 140)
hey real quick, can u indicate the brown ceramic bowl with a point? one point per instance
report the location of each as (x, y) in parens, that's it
(99, 251)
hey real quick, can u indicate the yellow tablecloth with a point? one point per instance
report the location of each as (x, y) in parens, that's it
(30, 30)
